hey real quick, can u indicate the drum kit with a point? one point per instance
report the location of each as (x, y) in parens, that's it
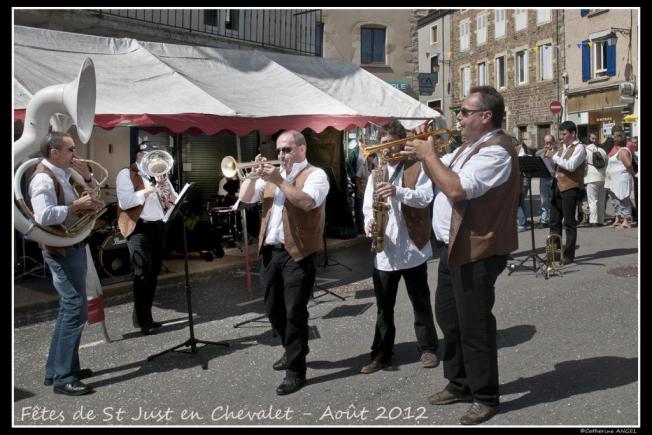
(108, 246)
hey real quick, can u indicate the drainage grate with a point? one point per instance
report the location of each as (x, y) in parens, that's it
(624, 271)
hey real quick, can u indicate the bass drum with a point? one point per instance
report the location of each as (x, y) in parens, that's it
(114, 255)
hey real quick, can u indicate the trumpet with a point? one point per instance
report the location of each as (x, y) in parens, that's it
(391, 157)
(231, 167)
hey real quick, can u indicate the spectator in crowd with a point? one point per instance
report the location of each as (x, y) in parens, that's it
(545, 184)
(619, 179)
(596, 159)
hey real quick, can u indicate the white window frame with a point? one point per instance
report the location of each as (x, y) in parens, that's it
(482, 74)
(543, 16)
(465, 72)
(434, 37)
(545, 61)
(481, 32)
(518, 63)
(520, 19)
(465, 37)
(499, 27)
(599, 58)
(499, 76)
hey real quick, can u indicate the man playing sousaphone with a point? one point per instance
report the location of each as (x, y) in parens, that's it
(403, 252)
(54, 203)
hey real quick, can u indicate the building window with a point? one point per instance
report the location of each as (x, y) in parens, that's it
(319, 38)
(466, 81)
(500, 72)
(481, 29)
(433, 35)
(499, 29)
(482, 74)
(599, 58)
(520, 21)
(543, 16)
(210, 18)
(232, 20)
(545, 62)
(373, 45)
(464, 35)
(521, 67)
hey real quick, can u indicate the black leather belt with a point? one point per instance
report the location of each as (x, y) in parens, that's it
(277, 246)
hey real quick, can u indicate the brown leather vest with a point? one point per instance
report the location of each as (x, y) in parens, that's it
(302, 230)
(55, 251)
(567, 179)
(127, 218)
(417, 220)
(486, 226)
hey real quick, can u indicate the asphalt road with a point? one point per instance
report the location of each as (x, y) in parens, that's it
(568, 353)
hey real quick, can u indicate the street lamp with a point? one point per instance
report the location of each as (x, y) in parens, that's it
(612, 38)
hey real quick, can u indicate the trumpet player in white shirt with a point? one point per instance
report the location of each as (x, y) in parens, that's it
(408, 191)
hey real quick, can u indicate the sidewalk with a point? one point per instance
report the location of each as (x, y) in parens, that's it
(34, 295)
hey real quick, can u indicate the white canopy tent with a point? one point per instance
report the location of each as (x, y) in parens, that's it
(188, 89)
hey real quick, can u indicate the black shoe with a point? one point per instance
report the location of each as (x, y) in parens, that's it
(290, 385)
(82, 374)
(74, 388)
(156, 324)
(147, 331)
(281, 364)
(374, 366)
(478, 413)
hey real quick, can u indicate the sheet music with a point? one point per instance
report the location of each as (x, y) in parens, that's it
(180, 198)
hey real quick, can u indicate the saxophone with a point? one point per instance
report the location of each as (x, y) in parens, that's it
(380, 210)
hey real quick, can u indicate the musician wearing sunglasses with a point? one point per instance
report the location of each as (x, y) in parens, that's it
(474, 220)
(294, 202)
(405, 251)
(53, 202)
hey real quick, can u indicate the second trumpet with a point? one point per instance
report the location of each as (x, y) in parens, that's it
(370, 149)
(231, 167)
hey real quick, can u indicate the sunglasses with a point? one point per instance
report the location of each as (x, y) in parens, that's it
(466, 112)
(286, 150)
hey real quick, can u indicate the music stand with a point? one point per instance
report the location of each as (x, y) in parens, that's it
(192, 342)
(325, 265)
(531, 166)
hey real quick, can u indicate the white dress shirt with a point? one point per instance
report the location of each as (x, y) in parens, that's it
(128, 198)
(576, 159)
(44, 197)
(487, 169)
(316, 186)
(400, 251)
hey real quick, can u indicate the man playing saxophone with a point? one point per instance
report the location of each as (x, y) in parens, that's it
(402, 251)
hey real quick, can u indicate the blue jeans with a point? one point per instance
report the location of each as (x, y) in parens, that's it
(69, 279)
(545, 192)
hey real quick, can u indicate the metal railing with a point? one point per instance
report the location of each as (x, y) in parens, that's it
(295, 30)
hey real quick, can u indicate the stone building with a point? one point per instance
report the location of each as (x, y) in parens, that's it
(382, 41)
(602, 66)
(519, 52)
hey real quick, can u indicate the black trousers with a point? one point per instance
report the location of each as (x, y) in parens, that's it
(463, 302)
(563, 206)
(385, 289)
(288, 286)
(146, 245)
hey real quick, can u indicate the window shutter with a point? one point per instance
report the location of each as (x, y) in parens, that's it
(611, 60)
(584, 12)
(586, 61)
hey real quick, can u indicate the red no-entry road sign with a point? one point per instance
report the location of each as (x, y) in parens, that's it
(555, 107)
